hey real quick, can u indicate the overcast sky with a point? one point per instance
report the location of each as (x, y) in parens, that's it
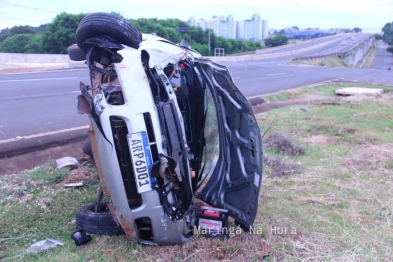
(370, 15)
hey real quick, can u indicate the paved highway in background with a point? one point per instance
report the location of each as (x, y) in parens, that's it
(337, 47)
(33, 104)
(383, 59)
(324, 45)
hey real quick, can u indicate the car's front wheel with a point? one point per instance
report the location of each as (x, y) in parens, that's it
(100, 222)
(105, 24)
(75, 53)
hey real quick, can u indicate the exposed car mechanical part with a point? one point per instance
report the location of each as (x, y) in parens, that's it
(171, 187)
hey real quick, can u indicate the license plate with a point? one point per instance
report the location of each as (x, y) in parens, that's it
(141, 160)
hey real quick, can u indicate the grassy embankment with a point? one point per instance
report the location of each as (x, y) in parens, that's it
(332, 200)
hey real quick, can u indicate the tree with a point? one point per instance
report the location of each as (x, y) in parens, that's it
(16, 30)
(387, 35)
(357, 30)
(22, 30)
(15, 43)
(35, 44)
(387, 28)
(276, 40)
(295, 27)
(390, 49)
(377, 36)
(61, 33)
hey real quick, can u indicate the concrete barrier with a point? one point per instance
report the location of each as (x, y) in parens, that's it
(20, 63)
(33, 58)
(262, 56)
(356, 53)
(351, 56)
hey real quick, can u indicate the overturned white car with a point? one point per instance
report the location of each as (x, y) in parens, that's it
(168, 127)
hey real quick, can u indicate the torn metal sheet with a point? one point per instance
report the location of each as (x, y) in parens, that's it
(67, 161)
(126, 224)
(98, 98)
(359, 91)
(80, 184)
(43, 244)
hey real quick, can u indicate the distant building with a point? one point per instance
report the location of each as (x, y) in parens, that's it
(215, 25)
(228, 28)
(294, 33)
(203, 24)
(254, 29)
(265, 29)
(192, 21)
(239, 29)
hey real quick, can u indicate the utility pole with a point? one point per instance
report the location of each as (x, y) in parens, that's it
(209, 40)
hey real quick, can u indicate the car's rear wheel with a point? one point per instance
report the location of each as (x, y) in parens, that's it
(100, 222)
(86, 148)
(98, 24)
(75, 53)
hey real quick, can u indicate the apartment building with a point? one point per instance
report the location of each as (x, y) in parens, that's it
(254, 29)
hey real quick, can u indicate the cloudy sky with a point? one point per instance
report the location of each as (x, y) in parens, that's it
(370, 15)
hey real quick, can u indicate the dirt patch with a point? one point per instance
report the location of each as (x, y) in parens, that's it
(284, 144)
(313, 118)
(280, 167)
(78, 175)
(18, 164)
(321, 140)
(267, 107)
(373, 155)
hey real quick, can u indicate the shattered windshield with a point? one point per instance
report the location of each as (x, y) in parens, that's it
(210, 151)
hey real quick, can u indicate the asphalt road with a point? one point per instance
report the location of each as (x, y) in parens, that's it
(383, 59)
(337, 47)
(333, 44)
(33, 104)
(255, 79)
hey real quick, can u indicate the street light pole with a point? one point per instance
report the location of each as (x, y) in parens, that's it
(209, 40)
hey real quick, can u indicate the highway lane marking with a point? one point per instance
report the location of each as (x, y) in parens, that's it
(18, 138)
(277, 74)
(55, 71)
(38, 79)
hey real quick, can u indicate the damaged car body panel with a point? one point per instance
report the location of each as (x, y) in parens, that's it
(135, 116)
(170, 126)
(235, 181)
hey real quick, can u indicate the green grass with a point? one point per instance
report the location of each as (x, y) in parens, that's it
(369, 56)
(341, 195)
(329, 62)
(337, 208)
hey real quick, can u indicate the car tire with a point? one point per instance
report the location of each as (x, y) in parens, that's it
(75, 53)
(86, 148)
(101, 222)
(98, 24)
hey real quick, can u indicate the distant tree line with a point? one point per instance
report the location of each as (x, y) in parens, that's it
(276, 40)
(55, 37)
(387, 33)
(387, 36)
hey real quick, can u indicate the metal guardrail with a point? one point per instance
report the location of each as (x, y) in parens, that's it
(243, 53)
(339, 55)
